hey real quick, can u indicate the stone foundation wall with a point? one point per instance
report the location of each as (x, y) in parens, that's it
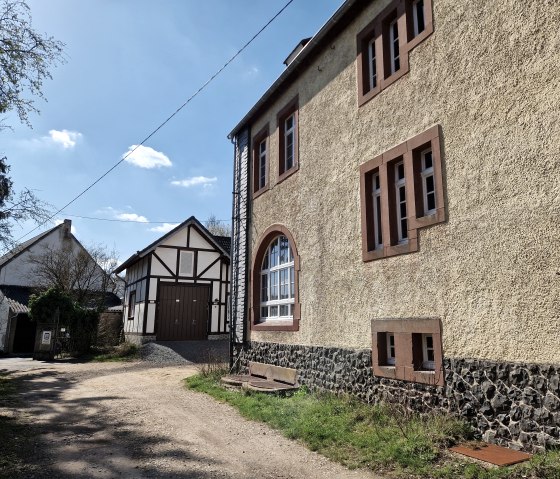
(138, 339)
(513, 404)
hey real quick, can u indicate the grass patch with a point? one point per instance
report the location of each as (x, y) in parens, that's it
(382, 438)
(122, 352)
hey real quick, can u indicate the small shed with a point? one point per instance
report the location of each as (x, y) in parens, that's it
(177, 288)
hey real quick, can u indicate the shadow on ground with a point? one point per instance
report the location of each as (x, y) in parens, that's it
(53, 437)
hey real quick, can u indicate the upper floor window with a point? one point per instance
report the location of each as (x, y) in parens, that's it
(401, 191)
(288, 139)
(384, 45)
(260, 161)
(186, 263)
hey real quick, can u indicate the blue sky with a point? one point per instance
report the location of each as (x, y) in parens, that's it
(130, 64)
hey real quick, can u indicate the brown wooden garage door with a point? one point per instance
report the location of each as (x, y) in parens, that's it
(182, 312)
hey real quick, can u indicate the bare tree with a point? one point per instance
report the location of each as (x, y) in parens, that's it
(26, 57)
(86, 275)
(217, 227)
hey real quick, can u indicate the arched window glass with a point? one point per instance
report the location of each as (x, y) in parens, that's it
(277, 281)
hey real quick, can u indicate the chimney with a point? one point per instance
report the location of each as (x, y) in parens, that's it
(295, 52)
(66, 228)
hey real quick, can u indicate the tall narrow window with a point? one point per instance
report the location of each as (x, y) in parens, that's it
(394, 46)
(428, 357)
(277, 281)
(186, 263)
(372, 64)
(400, 192)
(418, 16)
(262, 164)
(131, 304)
(289, 142)
(428, 183)
(378, 235)
(391, 349)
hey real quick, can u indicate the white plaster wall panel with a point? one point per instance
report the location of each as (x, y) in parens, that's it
(197, 241)
(139, 317)
(489, 272)
(205, 259)
(177, 239)
(213, 272)
(158, 269)
(151, 318)
(153, 289)
(215, 291)
(214, 323)
(186, 281)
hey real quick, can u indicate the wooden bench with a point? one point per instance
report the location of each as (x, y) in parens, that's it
(264, 378)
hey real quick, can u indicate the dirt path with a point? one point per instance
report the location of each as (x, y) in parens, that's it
(111, 420)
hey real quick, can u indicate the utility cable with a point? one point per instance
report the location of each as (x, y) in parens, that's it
(194, 95)
(116, 220)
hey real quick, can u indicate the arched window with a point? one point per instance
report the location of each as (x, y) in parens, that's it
(274, 282)
(277, 281)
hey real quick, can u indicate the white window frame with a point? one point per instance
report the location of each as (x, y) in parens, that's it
(372, 64)
(182, 255)
(262, 164)
(131, 305)
(287, 133)
(415, 4)
(377, 214)
(427, 364)
(394, 55)
(400, 183)
(276, 269)
(391, 357)
(426, 173)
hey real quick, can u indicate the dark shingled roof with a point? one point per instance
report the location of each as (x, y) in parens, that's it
(19, 294)
(224, 242)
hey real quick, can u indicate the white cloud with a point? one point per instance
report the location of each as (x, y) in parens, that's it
(164, 228)
(195, 181)
(59, 222)
(146, 157)
(65, 138)
(131, 217)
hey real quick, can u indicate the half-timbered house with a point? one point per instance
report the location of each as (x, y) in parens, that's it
(177, 288)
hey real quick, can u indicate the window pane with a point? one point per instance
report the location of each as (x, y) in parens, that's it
(274, 285)
(430, 354)
(404, 229)
(292, 284)
(428, 163)
(265, 261)
(431, 201)
(264, 288)
(284, 250)
(284, 310)
(402, 194)
(289, 122)
(403, 209)
(273, 312)
(400, 171)
(429, 341)
(284, 283)
(377, 184)
(429, 183)
(274, 254)
(264, 312)
(289, 151)
(419, 23)
(378, 215)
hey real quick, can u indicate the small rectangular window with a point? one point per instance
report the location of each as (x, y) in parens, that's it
(186, 263)
(428, 357)
(394, 52)
(289, 142)
(418, 17)
(400, 192)
(372, 64)
(428, 184)
(262, 164)
(378, 235)
(391, 349)
(260, 161)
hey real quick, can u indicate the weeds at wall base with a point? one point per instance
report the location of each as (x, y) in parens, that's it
(383, 438)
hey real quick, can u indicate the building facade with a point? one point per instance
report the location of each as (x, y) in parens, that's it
(396, 212)
(177, 288)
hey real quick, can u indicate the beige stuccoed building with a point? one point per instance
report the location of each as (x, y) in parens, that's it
(397, 207)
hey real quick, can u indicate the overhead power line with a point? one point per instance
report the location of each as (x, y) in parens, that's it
(161, 125)
(116, 220)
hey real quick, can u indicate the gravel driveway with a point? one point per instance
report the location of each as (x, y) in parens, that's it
(136, 420)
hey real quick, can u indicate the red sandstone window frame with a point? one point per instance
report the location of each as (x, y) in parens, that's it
(410, 153)
(262, 135)
(378, 31)
(292, 108)
(409, 361)
(255, 283)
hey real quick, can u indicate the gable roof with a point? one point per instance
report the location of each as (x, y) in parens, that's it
(15, 252)
(192, 221)
(224, 242)
(334, 25)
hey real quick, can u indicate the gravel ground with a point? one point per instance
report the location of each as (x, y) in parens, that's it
(185, 352)
(159, 354)
(136, 420)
